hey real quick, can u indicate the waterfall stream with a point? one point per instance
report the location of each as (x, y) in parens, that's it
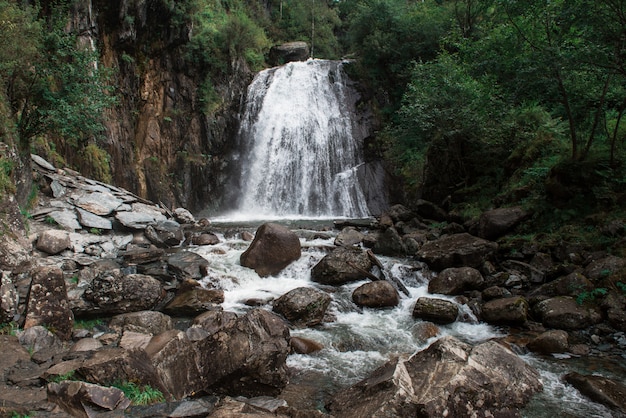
(301, 143)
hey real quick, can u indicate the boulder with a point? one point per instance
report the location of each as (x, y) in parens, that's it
(455, 281)
(439, 311)
(205, 239)
(148, 322)
(379, 294)
(187, 265)
(183, 216)
(424, 330)
(342, 265)
(429, 210)
(47, 302)
(562, 312)
(214, 320)
(175, 359)
(507, 311)
(65, 218)
(609, 392)
(449, 378)
(53, 241)
(82, 399)
(287, 52)
(571, 285)
(247, 356)
(193, 301)
(497, 222)
(135, 220)
(274, 247)
(389, 243)
(303, 306)
(114, 293)
(110, 365)
(301, 345)
(458, 250)
(553, 341)
(165, 234)
(604, 267)
(349, 236)
(90, 220)
(400, 213)
(15, 247)
(98, 203)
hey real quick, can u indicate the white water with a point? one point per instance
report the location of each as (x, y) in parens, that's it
(359, 340)
(299, 147)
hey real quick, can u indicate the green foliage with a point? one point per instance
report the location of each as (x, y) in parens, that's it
(95, 231)
(10, 328)
(7, 185)
(140, 394)
(50, 220)
(18, 415)
(87, 324)
(621, 286)
(94, 163)
(60, 378)
(590, 296)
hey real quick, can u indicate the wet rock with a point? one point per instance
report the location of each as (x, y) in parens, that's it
(341, 266)
(191, 302)
(301, 345)
(429, 210)
(553, 341)
(449, 378)
(53, 241)
(205, 239)
(82, 399)
(494, 292)
(287, 52)
(115, 293)
(274, 247)
(564, 313)
(247, 236)
(379, 294)
(187, 265)
(349, 236)
(497, 222)
(389, 243)
(529, 273)
(455, 280)
(303, 306)
(149, 322)
(247, 356)
(423, 331)
(511, 311)
(459, 250)
(175, 359)
(47, 302)
(139, 255)
(438, 311)
(400, 213)
(600, 389)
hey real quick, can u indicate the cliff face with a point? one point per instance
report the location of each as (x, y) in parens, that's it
(162, 146)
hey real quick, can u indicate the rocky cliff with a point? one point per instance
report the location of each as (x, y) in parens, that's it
(162, 143)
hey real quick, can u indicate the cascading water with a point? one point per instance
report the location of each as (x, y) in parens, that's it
(301, 144)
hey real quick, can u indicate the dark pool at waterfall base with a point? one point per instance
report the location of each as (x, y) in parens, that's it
(357, 340)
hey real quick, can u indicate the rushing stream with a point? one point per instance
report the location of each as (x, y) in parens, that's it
(357, 340)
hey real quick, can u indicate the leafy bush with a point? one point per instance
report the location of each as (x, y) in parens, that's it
(140, 395)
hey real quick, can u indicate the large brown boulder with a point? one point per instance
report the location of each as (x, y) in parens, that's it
(609, 392)
(497, 222)
(449, 378)
(53, 241)
(439, 311)
(47, 302)
(274, 247)
(553, 341)
(379, 294)
(81, 399)
(148, 322)
(457, 250)
(247, 356)
(563, 312)
(343, 265)
(511, 311)
(303, 306)
(390, 243)
(571, 285)
(455, 280)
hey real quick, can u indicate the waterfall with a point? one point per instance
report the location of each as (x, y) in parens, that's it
(301, 144)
